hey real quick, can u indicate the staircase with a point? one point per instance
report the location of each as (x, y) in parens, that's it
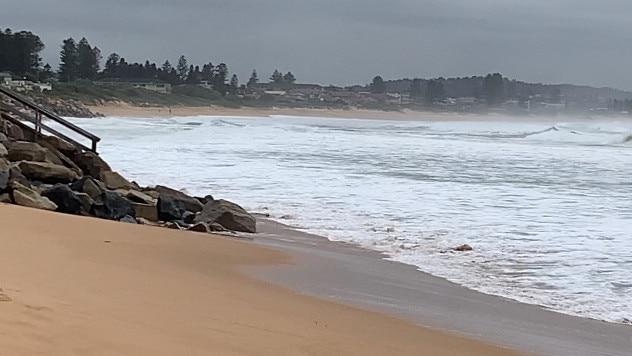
(35, 114)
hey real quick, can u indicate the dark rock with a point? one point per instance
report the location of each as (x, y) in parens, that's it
(200, 227)
(5, 174)
(188, 217)
(229, 215)
(463, 248)
(47, 172)
(3, 151)
(15, 132)
(90, 186)
(128, 219)
(90, 163)
(189, 203)
(65, 199)
(112, 206)
(205, 200)
(181, 223)
(6, 198)
(170, 208)
(15, 175)
(86, 202)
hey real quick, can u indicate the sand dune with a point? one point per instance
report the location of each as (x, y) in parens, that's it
(82, 286)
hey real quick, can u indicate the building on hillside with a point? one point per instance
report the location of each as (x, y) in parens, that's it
(6, 78)
(148, 84)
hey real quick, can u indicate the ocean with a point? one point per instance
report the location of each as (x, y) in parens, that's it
(546, 205)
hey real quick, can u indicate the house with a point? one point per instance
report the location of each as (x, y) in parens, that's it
(6, 78)
(148, 84)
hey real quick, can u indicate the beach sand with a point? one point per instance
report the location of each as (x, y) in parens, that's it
(127, 110)
(81, 286)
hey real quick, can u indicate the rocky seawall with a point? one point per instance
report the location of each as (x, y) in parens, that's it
(52, 174)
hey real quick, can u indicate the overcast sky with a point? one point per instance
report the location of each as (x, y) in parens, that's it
(346, 42)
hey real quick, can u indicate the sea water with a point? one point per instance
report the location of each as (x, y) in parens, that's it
(545, 205)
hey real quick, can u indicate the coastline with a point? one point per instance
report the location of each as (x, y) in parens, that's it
(126, 110)
(349, 274)
(77, 285)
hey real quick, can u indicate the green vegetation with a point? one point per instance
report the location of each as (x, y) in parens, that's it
(186, 95)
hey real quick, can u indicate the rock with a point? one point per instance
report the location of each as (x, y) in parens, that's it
(90, 163)
(229, 215)
(58, 144)
(170, 208)
(147, 211)
(128, 219)
(65, 160)
(139, 197)
(6, 198)
(3, 137)
(47, 172)
(463, 248)
(188, 217)
(29, 151)
(90, 186)
(112, 206)
(86, 202)
(205, 200)
(152, 193)
(15, 175)
(215, 227)
(25, 196)
(114, 181)
(200, 227)
(143, 221)
(65, 199)
(189, 203)
(5, 174)
(3, 151)
(15, 132)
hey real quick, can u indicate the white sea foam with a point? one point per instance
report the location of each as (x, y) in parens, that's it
(546, 206)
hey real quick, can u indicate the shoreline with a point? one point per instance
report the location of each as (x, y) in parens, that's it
(127, 110)
(164, 292)
(357, 276)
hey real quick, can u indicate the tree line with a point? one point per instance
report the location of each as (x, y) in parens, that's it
(20, 54)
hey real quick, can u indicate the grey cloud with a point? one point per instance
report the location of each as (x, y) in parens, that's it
(348, 42)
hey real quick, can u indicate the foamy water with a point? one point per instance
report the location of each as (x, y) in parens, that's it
(547, 207)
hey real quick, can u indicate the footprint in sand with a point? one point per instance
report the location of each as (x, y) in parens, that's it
(4, 297)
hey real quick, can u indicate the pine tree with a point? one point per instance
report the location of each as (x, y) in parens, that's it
(234, 83)
(377, 85)
(69, 61)
(276, 77)
(289, 78)
(254, 78)
(88, 59)
(182, 68)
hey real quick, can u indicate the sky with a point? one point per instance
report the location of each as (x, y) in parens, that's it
(345, 42)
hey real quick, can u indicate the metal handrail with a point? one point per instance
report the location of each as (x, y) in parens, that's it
(40, 111)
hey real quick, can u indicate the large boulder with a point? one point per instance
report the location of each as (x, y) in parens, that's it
(15, 175)
(113, 207)
(140, 197)
(189, 203)
(146, 211)
(63, 158)
(170, 208)
(114, 181)
(26, 196)
(3, 137)
(65, 199)
(58, 144)
(30, 151)
(90, 163)
(47, 172)
(3, 151)
(227, 214)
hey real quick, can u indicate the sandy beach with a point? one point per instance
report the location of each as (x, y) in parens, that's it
(123, 109)
(77, 286)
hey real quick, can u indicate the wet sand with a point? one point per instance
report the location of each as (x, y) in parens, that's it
(348, 274)
(73, 285)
